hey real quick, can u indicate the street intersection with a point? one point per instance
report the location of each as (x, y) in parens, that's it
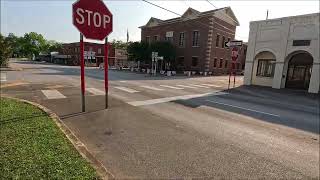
(164, 127)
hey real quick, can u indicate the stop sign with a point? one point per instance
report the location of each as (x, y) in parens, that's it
(92, 18)
(234, 54)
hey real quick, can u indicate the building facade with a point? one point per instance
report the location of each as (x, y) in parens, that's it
(284, 53)
(199, 38)
(69, 54)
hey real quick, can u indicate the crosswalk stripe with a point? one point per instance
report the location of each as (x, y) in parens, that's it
(52, 94)
(3, 77)
(126, 89)
(199, 86)
(211, 85)
(152, 88)
(95, 91)
(191, 87)
(172, 87)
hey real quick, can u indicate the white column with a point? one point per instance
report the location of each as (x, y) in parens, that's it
(277, 78)
(314, 80)
(248, 73)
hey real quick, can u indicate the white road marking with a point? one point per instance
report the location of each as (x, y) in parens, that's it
(126, 89)
(123, 81)
(3, 77)
(191, 87)
(168, 99)
(199, 86)
(152, 88)
(53, 94)
(270, 114)
(95, 91)
(172, 87)
(211, 85)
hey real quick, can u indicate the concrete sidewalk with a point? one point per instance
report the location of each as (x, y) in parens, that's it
(133, 143)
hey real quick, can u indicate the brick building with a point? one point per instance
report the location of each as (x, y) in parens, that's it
(199, 38)
(69, 54)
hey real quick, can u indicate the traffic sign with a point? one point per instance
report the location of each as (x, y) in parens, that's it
(92, 18)
(234, 54)
(233, 44)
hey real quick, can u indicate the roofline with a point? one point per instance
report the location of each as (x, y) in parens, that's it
(201, 14)
(287, 17)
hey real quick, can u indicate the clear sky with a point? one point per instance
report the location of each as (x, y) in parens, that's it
(53, 18)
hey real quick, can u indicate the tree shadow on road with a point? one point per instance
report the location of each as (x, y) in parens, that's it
(295, 109)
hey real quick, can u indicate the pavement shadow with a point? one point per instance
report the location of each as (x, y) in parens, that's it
(295, 109)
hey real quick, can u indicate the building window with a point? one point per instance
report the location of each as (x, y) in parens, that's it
(195, 38)
(266, 67)
(155, 38)
(226, 64)
(215, 62)
(148, 39)
(217, 40)
(99, 50)
(301, 43)
(181, 61)
(220, 64)
(169, 39)
(181, 39)
(223, 40)
(194, 61)
(169, 36)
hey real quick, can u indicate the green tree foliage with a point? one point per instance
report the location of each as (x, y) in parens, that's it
(119, 44)
(5, 50)
(31, 44)
(141, 51)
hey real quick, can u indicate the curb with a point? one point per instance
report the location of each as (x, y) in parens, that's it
(80, 147)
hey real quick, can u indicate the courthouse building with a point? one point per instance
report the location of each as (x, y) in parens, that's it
(199, 38)
(284, 53)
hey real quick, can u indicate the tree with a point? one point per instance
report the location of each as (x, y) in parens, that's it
(166, 50)
(5, 51)
(139, 51)
(32, 44)
(119, 44)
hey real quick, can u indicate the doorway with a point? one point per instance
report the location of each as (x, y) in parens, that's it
(299, 71)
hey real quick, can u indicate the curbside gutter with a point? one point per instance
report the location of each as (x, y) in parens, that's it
(80, 147)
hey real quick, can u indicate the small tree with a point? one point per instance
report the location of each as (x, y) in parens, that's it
(5, 51)
(165, 49)
(139, 51)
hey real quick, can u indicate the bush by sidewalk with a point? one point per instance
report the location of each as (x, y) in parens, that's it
(33, 147)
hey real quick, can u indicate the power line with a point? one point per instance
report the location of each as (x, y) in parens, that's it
(211, 4)
(162, 7)
(206, 25)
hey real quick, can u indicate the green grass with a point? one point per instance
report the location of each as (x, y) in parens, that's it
(33, 147)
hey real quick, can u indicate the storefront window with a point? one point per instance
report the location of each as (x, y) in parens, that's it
(266, 67)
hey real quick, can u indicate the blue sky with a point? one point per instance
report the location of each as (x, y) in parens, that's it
(53, 18)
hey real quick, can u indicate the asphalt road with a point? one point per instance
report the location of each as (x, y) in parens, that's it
(179, 127)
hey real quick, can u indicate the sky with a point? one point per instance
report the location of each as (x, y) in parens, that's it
(53, 19)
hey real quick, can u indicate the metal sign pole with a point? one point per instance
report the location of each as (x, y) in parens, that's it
(106, 78)
(82, 73)
(230, 69)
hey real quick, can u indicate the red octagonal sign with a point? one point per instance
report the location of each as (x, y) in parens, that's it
(92, 18)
